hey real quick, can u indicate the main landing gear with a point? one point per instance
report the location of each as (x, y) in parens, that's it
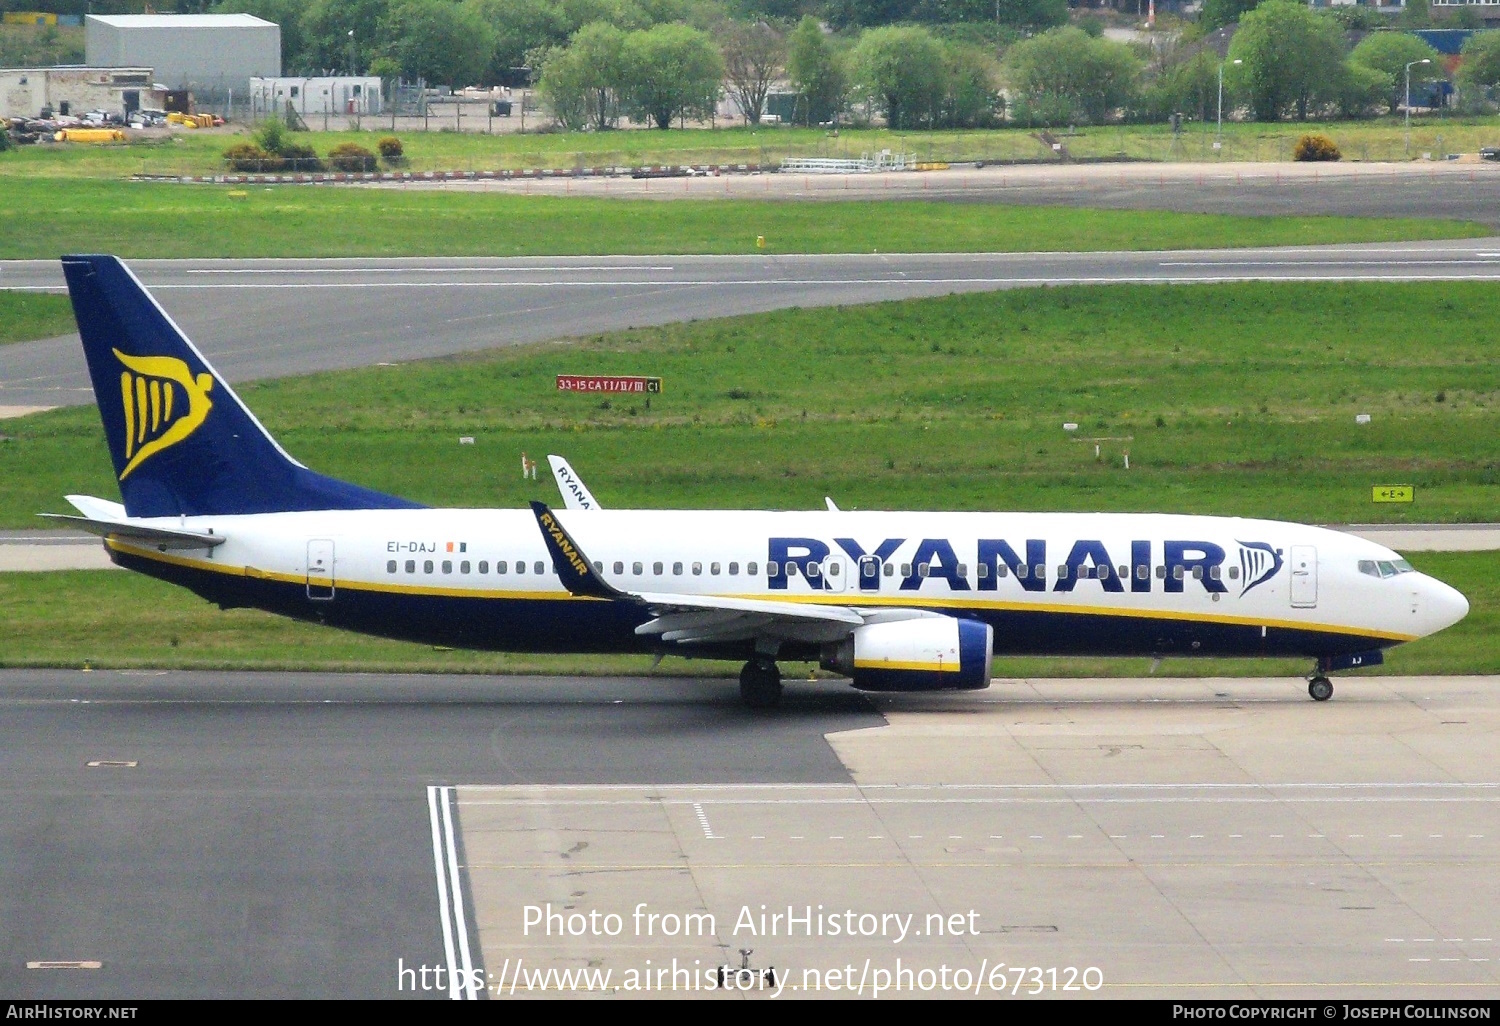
(760, 684)
(1320, 688)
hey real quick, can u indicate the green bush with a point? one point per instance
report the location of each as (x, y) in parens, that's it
(1316, 147)
(351, 157)
(4, 139)
(300, 158)
(391, 149)
(250, 158)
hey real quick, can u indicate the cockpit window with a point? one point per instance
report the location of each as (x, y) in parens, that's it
(1384, 568)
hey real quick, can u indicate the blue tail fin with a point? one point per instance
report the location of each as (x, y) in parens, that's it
(181, 440)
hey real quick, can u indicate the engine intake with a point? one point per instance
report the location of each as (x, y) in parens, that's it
(930, 653)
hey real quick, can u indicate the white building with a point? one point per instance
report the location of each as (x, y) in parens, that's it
(350, 94)
(210, 55)
(27, 92)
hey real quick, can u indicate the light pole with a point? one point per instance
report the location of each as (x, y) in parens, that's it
(1219, 142)
(1424, 60)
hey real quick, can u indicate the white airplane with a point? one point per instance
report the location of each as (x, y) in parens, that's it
(897, 601)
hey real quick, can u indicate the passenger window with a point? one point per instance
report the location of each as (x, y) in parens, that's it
(411, 566)
(463, 567)
(484, 566)
(697, 569)
(1177, 573)
(1062, 571)
(427, 567)
(1213, 573)
(1124, 572)
(637, 569)
(598, 567)
(501, 566)
(890, 569)
(923, 569)
(447, 566)
(1022, 572)
(390, 566)
(772, 569)
(834, 569)
(751, 569)
(619, 567)
(537, 567)
(905, 569)
(520, 567)
(734, 569)
(1142, 572)
(1039, 571)
(1198, 572)
(656, 568)
(791, 569)
(982, 571)
(1161, 573)
(963, 570)
(813, 569)
(677, 568)
(1234, 573)
(713, 568)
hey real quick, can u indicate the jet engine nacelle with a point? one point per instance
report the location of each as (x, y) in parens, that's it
(929, 653)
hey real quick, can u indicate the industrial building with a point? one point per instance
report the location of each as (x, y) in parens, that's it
(213, 56)
(29, 92)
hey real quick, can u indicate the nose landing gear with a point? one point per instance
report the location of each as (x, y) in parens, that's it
(1320, 688)
(760, 683)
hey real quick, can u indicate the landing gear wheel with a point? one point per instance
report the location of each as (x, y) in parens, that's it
(760, 685)
(1320, 688)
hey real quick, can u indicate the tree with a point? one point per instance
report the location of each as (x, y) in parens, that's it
(1218, 13)
(1390, 53)
(1481, 66)
(900, 69)
(671, 71)
(326, 25)
(753, 57)
(437, 40)
(519, 27)
(1065, 76)
(1188, 86)
(816, 73)
(582, 84)
(969, 96)
(1363, 90)
(1291, 59)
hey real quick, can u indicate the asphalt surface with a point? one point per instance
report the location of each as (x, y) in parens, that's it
(272, 318)
(1445, 189)
(273, 839)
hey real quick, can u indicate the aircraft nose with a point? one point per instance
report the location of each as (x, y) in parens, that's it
(1441, 605)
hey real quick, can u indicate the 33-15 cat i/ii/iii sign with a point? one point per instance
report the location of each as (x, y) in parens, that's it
(607, 383)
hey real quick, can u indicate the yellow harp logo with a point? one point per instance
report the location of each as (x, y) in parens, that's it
(158, 388)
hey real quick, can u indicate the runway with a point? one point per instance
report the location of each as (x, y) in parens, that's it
(271, 318)
(299, 835)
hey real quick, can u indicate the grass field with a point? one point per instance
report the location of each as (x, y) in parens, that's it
(199, 153)
(1230, 399)
(29, 315)
(102, 619)
(136, 219)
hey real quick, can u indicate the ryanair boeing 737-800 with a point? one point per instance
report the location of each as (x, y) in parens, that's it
(897, 601)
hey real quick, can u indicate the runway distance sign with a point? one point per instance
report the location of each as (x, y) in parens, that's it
(607, 383)
(1394, 493)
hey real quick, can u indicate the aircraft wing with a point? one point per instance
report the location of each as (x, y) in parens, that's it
(699, 618)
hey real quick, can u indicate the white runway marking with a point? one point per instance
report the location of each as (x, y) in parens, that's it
(461, 983)
(708, 831)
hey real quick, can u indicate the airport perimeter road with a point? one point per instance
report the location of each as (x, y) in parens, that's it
(270, 318)
(284, 834)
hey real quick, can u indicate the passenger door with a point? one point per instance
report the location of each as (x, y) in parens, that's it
(1304, 576)
(320, 582)
(835, 573)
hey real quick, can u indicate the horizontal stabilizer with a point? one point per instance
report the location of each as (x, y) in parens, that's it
(160, 537)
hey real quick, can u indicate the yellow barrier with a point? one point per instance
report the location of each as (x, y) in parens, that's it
(90, 135)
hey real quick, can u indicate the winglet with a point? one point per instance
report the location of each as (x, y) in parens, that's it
(574, 492)
(573, 567)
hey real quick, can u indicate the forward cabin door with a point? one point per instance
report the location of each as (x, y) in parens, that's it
(836, 573)
(320, 569)
(1304, 576)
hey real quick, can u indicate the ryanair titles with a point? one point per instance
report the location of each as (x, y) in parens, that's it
(1165, 566)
